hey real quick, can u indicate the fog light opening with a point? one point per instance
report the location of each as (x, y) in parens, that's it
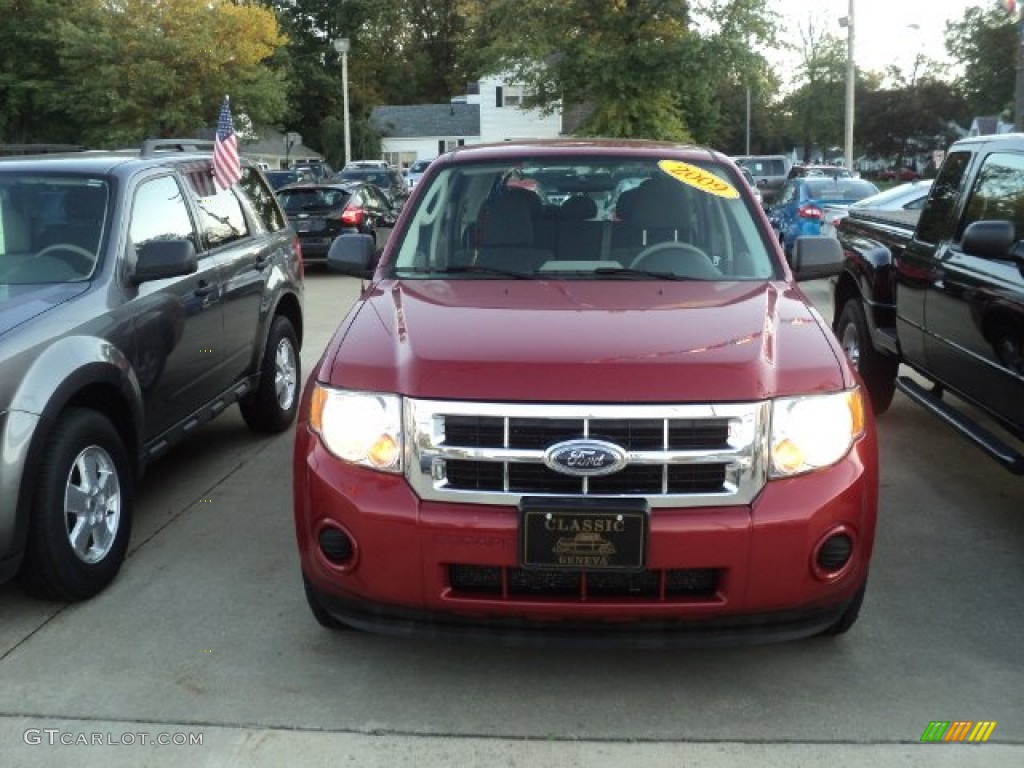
(833, 555)
(336, 546)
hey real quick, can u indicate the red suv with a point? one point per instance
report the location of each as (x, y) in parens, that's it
(587, 424)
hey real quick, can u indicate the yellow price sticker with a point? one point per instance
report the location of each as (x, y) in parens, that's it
(698, 178)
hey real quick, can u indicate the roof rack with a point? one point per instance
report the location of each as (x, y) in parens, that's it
(38, 149)
(152, 147)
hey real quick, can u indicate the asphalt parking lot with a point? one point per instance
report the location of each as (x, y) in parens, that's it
(205, 636)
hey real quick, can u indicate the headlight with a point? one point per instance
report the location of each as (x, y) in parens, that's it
(814, 431)
(361, 427)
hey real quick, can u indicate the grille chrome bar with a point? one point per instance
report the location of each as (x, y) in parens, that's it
(485, 460)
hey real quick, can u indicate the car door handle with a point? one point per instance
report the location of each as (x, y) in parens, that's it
(263, 260)
(205, 289)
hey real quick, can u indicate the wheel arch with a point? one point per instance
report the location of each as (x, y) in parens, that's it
(287, 305)
(74, 373)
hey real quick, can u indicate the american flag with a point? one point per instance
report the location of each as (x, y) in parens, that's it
(226, 168)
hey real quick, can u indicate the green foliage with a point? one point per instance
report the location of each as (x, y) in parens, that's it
(113, 73)
(109, 72)
(641, 68)
(30, 75)
(984, 41)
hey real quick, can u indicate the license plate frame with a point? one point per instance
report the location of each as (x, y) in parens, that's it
(583, 534)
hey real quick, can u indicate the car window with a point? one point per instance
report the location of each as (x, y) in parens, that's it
(496, 216)
(937, 219)
(997, 192)
(312, 198)
(159, 213)
(221, 217)
(264, 205)
(838, 189)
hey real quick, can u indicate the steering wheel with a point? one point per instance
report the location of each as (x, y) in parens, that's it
(75, 256)
(677, 258)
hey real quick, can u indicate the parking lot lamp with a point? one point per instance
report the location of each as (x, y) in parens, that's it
(341, 45)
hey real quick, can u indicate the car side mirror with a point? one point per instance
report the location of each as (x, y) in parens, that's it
(815, 257)
(159, 259)
(989, 239)
(351, 254)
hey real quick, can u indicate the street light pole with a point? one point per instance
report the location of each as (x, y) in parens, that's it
(851, 76)
(341, 45)
(748, 120)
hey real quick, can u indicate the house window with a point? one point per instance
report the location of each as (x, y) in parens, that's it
(513, 96)
(498, 102)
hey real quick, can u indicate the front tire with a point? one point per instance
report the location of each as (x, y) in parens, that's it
(82, 510)
(272, 407)
(876, 369)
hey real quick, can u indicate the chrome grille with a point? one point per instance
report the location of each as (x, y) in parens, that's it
(677, 455)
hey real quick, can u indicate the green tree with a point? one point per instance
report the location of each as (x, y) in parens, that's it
(984, 42)
(816, 108)
(30, 73)
(161, 69)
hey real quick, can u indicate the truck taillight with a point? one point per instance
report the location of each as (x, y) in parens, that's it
(352, 216)
(809, 211)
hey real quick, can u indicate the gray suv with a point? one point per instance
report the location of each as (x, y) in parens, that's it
(769, 171)
(137, 301)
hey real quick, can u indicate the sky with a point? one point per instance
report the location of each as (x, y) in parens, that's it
(883, 31)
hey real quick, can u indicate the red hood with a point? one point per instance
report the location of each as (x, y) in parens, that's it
(593, 341)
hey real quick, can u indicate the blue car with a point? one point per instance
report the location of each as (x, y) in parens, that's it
(800, 207)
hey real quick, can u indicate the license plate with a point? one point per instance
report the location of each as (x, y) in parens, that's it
(309, 225)
(583, 534)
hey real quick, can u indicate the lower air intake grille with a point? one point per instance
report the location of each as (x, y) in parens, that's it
(471, 580)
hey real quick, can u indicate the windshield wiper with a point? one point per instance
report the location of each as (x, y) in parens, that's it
(468, 269)
(638, 273)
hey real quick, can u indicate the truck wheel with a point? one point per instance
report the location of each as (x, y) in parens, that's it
(272, 407)
(82, 510)
(849, 617)
(876, 369)
(323, 618)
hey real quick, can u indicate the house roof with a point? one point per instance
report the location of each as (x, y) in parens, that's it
(415, 121)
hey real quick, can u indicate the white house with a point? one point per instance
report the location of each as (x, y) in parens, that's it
(490, 112)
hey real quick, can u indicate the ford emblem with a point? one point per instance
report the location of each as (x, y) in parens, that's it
(585, 458)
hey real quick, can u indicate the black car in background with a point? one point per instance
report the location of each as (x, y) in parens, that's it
(388, 180)
(279, 179)
(317, 169)
(321, 212)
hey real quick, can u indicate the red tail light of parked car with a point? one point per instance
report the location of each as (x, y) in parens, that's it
(352, 216)
(810, 212)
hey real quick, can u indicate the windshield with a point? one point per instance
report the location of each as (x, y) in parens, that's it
(51, 227)
(592, 218)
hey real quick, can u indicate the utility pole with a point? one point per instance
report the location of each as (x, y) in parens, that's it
(851, 77)
(1018, 91)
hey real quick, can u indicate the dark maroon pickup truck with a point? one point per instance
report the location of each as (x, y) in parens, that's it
(943, 294)
(582, 399)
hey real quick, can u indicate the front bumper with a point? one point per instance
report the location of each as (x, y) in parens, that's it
(766, 587)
